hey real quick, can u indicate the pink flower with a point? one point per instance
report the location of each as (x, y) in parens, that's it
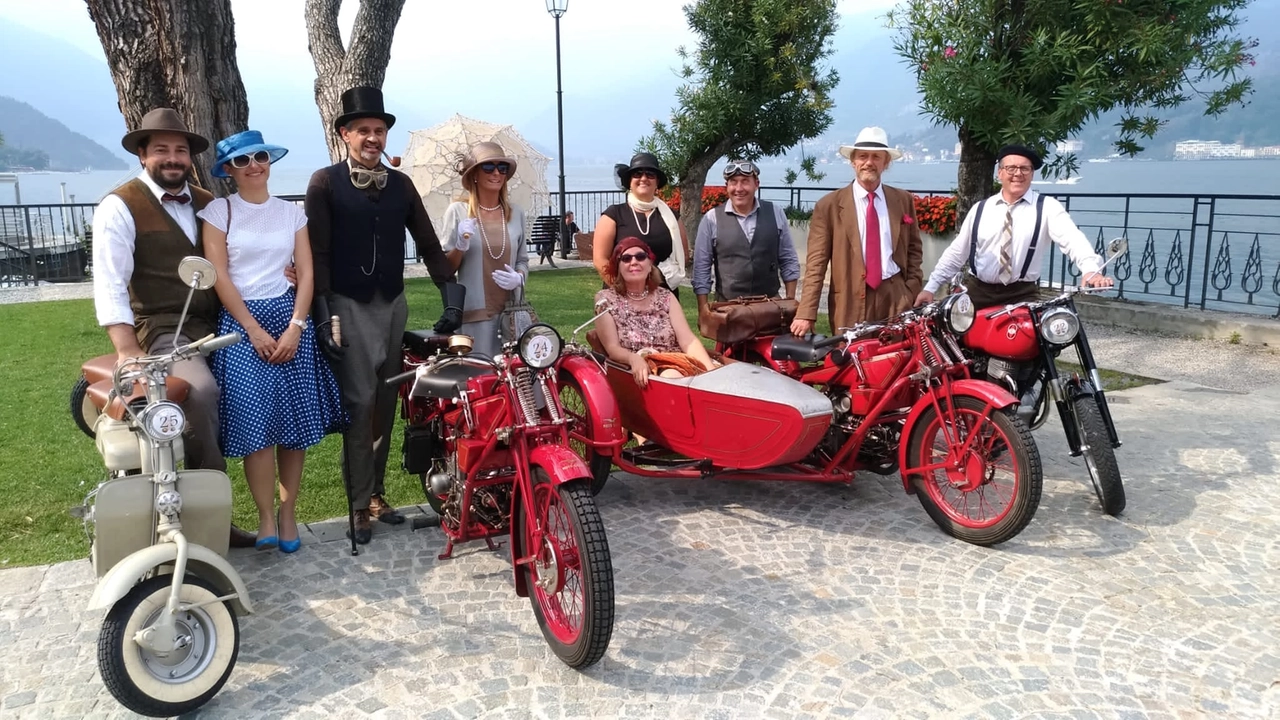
(908, 220)
(950, 52)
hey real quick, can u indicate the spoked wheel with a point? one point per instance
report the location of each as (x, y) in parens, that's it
(570, 576)
(83, 411)
(179, 681)
(989, 494)
(1099, 456)
(574, 402)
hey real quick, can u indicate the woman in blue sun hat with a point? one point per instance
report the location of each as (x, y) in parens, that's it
(279, 395)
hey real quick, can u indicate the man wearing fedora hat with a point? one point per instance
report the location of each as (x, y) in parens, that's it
(357, 214)
(141, 231)
(1003, 239)
(868, 234)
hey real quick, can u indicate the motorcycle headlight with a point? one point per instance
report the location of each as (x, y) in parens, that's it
(540, 346)
(162, 421)
(1059, 326)
(958, 313)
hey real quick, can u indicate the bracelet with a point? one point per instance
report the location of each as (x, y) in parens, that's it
(302, 324)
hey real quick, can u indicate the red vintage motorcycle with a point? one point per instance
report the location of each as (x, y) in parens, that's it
(488, 439)
(828, 412)
(1018, 346)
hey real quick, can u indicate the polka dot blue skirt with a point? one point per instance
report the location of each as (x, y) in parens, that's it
(293, 404)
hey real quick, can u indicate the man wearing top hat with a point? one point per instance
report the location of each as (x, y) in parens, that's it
(1003, 239)
(141, 231)
(357, 213)
(868, 234)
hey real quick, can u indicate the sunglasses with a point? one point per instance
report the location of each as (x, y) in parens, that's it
(650, 174)
(502, 167)
(629, 258)
(262, 157)
(743, 167)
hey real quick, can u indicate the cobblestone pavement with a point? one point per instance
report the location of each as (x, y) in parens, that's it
(775, 600)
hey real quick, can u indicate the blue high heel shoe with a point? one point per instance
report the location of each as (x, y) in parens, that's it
(289, 546)
(269, 542)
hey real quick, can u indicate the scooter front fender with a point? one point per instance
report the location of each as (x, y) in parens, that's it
(987, 392)
(200, 561)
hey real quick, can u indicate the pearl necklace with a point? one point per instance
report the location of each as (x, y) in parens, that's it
(638, 296)
(490, 209)
(488, 248)
(648, 221)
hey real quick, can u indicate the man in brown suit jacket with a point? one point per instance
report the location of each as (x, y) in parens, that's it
(838, 234)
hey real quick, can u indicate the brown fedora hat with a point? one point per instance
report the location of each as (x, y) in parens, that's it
(163, 120)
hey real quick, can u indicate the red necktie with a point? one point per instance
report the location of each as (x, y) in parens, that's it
(180, 199)
(874, 271)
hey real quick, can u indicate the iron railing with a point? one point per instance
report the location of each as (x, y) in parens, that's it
(1217, 252)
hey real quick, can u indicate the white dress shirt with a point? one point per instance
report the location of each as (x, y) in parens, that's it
(887, 267)
(114, 234)
(1056, 225)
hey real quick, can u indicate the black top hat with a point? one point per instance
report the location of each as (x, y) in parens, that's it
(363, 102)
(640, 161)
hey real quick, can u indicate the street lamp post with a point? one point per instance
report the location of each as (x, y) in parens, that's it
(558, 8)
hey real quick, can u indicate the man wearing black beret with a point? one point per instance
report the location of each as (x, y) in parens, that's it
(1004, 238)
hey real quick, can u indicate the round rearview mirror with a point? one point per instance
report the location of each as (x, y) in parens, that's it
(1118, 246)
(196, 272)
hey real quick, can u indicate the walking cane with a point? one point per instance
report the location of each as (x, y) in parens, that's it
(346, 485)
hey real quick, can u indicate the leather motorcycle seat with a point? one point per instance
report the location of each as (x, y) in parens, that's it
(790, 347)
(448, 382)
(99, 393)
(99, 368)
(424, 343)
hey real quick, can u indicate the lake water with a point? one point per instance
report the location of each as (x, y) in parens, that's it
(1231, 177)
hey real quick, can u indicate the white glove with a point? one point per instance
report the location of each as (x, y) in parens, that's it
(467, 229)
(507, 278)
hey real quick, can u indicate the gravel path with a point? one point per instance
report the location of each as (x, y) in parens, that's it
(1213, 363)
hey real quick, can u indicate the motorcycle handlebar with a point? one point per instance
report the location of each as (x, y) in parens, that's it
(401, 378)
(222, 341)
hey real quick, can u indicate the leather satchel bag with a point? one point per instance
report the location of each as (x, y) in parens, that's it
(743, 318)
(516, 317)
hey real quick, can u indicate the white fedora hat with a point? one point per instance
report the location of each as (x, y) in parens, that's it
(871, 138)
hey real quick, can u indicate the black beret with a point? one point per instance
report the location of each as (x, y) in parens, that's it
(1020, 151)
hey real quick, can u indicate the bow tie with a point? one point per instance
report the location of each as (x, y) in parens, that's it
(364, 177)
(180, 199)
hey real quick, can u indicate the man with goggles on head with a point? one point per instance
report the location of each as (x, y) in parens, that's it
(357, 213)
(743, 245)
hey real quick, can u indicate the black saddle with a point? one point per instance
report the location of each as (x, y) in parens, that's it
(425, 343)
(447, 382)
(790, 347)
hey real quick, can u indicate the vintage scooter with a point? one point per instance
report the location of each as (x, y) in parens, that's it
(1018, 346)
(489, 441)
(159, 535)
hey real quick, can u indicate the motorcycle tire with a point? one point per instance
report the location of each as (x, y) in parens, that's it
(83, 411)
(570, 579)
(574, 402)
(1099, 456)
(162, 687)
(1011, 441)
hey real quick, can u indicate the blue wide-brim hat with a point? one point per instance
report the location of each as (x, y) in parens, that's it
(242, 143)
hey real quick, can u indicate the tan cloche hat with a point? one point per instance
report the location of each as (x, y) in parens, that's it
(163, 120)
(479, 154)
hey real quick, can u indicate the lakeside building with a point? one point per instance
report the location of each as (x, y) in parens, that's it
(1215, 150)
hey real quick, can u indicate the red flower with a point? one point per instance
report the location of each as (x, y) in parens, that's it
(907, 220)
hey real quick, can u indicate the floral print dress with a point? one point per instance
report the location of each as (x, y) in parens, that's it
(644, 324)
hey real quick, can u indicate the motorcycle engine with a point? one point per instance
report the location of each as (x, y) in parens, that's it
(1003, 372)
(490, 505)
(879, 450)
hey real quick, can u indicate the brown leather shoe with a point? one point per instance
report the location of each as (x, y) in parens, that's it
(379, 509)
(364, 532)
(242, 538)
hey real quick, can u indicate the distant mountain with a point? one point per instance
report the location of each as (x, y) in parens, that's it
(26, 129)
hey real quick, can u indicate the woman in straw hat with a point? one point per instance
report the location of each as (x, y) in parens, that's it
(279, 395)
(485, 238)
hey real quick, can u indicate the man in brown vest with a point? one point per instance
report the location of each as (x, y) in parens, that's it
(141, 231)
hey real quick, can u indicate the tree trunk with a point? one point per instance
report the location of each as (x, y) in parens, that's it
(178, 54)
(692, 181)
(338, 69)
(973, 181)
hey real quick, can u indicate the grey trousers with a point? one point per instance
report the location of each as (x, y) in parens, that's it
(200, 439)
(373, 332)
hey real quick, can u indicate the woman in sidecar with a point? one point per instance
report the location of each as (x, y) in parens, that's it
(645, 327)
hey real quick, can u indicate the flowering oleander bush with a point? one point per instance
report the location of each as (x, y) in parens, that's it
(712, 195)
(936, 214)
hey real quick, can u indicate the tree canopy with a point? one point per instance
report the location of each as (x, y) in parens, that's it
(755, 85)
(1036, 71)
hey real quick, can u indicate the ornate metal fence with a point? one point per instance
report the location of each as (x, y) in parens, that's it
(44, 243)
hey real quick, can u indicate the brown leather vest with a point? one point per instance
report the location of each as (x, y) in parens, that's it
(156, 293)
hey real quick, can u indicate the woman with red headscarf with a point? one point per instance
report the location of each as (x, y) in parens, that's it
(644, 318)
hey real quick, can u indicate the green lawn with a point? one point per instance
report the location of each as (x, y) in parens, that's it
(48, 465)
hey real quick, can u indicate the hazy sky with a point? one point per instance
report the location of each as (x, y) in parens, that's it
(489, 59)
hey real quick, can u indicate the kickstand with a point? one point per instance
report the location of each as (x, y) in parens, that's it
(493, 546)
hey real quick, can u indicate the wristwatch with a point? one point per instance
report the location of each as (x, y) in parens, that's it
(302, 324)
